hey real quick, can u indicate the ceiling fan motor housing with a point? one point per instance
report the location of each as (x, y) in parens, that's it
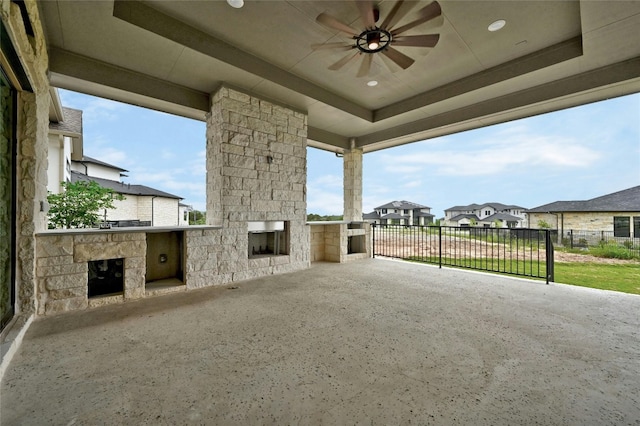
(365, 41)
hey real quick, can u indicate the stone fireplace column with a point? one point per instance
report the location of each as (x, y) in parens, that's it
(256, 176)
(352, 167)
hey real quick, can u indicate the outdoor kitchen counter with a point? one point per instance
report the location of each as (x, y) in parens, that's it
(147, 229)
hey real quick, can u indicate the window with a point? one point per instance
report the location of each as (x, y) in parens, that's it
(406, 212)
(487, 212)
(621, 226)
(636, 227)
(383, 211)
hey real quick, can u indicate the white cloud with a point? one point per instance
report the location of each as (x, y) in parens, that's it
(497, 156)
(412, 184)
(328, 181)
(199, 164)
(324, 202)
(111, 156)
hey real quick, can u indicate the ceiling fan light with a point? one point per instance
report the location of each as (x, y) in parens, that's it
(373, 40)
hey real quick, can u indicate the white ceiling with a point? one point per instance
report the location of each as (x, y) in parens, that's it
(171, 55)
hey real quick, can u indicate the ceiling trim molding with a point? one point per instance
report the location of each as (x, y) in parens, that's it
(324, 137)
(80, 67)
(172, 29)
(600, 77)
(569, 49)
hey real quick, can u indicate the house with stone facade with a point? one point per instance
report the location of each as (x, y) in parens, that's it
(486, 215)
(141, 206)
(264, 99)
(617, 213)
(400, 213)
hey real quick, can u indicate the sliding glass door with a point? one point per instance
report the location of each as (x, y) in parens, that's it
(7, 200)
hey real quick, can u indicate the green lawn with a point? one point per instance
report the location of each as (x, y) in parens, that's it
(619, 277)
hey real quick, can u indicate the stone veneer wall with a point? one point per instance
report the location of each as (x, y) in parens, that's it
(329, 242)
(33, 124)
(352, 171)
(62, 268)
(256, 171)
(582, 221)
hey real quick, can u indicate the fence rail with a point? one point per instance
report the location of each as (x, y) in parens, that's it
(523, 252)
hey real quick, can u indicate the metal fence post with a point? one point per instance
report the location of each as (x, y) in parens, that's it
(571, 238)
(550, 258)
(440, 247)
(373, 240)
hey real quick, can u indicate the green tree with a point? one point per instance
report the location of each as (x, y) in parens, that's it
(473, 222)
(196, 217)
(79, 204)
(543, 224)
(313, 217)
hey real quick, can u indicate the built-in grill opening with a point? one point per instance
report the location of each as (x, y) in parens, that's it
(268, 238)
(106, 277)
(356, 244)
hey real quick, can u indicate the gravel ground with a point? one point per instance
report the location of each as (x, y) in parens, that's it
(369, 342)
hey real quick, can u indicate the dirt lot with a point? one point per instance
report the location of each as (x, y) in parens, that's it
(405, 246)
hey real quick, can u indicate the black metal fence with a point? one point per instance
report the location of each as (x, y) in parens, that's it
(581, 239)
(523, 252)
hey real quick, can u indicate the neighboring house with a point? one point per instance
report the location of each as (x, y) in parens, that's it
(91, 167)
(65, 142)
(143, 206)
(487, 215)
(618, 212)
(400, 213)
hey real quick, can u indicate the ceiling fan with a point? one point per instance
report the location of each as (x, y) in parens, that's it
(380, 38)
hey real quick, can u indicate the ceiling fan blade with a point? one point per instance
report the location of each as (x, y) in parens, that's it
(365, 66)
(398, 57)
(392, 66)
(337, 45)
(427, 13)
(342, 62)
(331, 22)
(427, 40)
(366, 13)
(396, 14)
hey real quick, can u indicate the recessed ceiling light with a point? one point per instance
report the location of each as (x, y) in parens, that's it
(236, 3)
(372, 83)
(497, 25)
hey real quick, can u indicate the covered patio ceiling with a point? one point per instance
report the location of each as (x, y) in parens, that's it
(170, 55)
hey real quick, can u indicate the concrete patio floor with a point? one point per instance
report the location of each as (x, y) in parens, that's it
(370, 342)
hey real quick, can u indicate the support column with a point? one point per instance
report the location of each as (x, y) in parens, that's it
(352, 171)
(256, 173)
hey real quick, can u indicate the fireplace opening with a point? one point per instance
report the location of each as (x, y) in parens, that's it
(268, 239)
(106, 277)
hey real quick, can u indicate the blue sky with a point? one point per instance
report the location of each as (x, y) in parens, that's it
(574, 154)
